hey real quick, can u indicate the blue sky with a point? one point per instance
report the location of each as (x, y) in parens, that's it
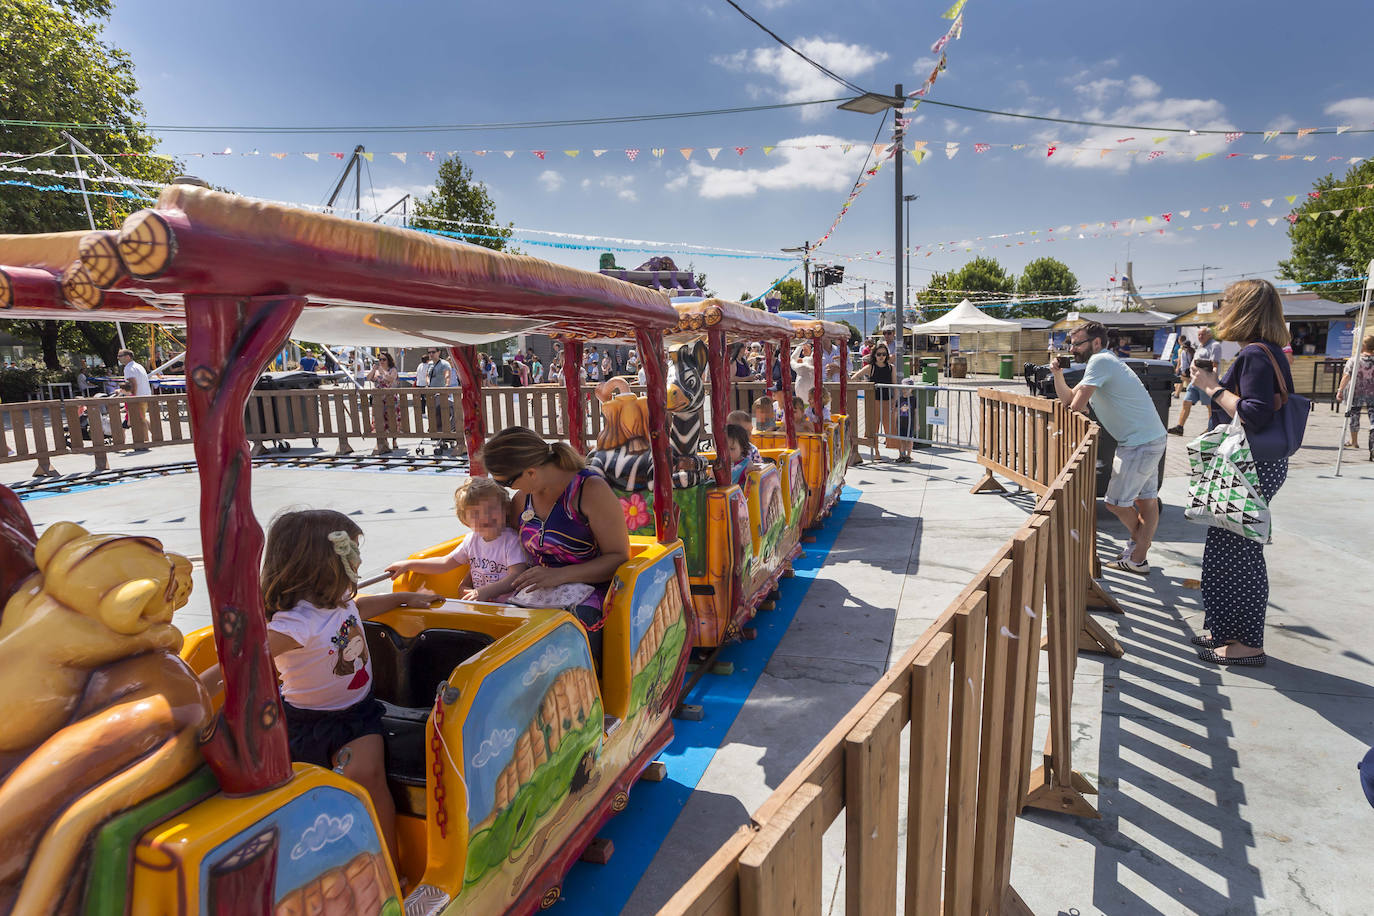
(1258, 65)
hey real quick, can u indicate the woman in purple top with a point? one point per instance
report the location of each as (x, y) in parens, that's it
(570, 521)
(1235, 580)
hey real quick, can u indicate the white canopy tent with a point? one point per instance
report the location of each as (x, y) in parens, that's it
(964, 318)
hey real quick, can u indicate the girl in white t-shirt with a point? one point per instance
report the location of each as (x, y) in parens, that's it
(315, 635)
(492, 552)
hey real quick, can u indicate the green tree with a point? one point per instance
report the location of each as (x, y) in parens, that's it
(1051, 281)
(459, 204)
(979, 279)
(794, 296)
(855, 337)
(55, 68)
(1331, 246)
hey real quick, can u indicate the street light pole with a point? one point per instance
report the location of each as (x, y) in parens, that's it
(899, 142)
(907, 199)
(805, 250)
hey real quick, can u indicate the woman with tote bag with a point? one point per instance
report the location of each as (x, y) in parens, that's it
(1235, 580)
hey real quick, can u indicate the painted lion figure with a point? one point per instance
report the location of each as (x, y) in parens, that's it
(103, 714)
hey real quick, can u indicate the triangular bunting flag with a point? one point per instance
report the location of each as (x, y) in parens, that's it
(1258, 156)
(1185, 213)
(1268, 201)
(844, 148)
(658, 152)
(279, 155)
(1202, 156)
(539, 153)
(1309, 158)
(1018, 146)
(1251, 222)
(572, 153)
(1291, 197)
(954, 11)
(631, 154)
(1338, 212)
(400, 156)
(367, 155)
(314, 157)
(919, 155)
(981, 147)
(1154, 154)
(1342, 128)
(951, 149)
(1270, 134)
(598, 153)
(1160, 139)
(508, 152)
(337, 155)
(713, 152)
(1304, 131)
(479, 152)
(686, 152)
(767, 150)
(1233, 136)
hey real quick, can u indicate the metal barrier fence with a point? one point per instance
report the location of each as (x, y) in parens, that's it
(965, 696)
(925, 415)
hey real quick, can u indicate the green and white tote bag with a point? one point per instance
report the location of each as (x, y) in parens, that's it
(1223, 484)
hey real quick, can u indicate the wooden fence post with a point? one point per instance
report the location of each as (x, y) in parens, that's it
(780, 871)
(872, 770)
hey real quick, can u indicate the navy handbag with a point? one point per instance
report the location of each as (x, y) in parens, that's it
(1283, 435)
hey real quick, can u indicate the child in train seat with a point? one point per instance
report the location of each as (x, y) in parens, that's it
(802, 413)
(492, 551)
(316, 638)
(741, 419)
(765, 416)
(825, 411)
(738, 437)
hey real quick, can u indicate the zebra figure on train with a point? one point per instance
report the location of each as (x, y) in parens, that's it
(622, 451)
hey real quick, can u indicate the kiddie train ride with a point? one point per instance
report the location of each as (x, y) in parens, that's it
(740, 538)
(126, 790)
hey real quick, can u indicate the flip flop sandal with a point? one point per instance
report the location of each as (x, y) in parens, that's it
(1256, 661)
(1207, 642)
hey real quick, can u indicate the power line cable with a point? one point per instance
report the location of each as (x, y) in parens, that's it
(776, 37)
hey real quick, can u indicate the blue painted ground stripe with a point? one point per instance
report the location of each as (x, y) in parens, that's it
(640, 829)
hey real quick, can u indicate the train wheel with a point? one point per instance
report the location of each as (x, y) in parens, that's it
(550, 897)
(619, 802)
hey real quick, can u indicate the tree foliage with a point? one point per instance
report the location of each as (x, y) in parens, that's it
(460, 204)
(794, 296)
(855, 337)
(979, 279)
(1332, 246)
(1051, 281)
(55, 67)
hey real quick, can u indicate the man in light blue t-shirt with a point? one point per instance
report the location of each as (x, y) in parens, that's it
(1124, 408)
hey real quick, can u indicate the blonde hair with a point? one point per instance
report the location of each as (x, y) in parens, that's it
(1252, 310)
(739, 418)
(1369, 343)
(764, 404)
(516, 449)
(300, 564)
(476, 489)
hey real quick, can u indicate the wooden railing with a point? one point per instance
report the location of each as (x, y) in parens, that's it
(39, 431)
(965, 695)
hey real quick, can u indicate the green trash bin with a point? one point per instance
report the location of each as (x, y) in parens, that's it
(930, 370)
(1006, 370)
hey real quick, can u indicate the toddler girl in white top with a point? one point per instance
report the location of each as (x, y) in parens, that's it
(315, 635)
(492, 551)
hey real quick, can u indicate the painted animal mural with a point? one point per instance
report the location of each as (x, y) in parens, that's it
(113, 716)
(686, 421)
(622, 448)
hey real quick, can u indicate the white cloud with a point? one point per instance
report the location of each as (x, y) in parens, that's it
(550, 180)
(1136, 99)
(810, 168)
(797, 80)
(320, 834)
(387, 195)
(954, 129)
(549, 659)
(586, 183)
(501, 738)
(622, 186)
(1358, 112)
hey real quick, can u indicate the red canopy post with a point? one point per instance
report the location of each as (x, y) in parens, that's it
(720, 403)
(572, 386)
(767, 368)
(474, 423)
(789, 416)
(818, 380)
(228, 341)
(844, 377)
(650, 343)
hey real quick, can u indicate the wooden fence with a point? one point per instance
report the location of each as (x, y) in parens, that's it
(965, 696)
(39, 431)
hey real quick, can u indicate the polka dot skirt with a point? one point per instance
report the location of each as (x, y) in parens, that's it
(1235, 579)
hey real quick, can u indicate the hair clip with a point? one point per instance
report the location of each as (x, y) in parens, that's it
(347, 550)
